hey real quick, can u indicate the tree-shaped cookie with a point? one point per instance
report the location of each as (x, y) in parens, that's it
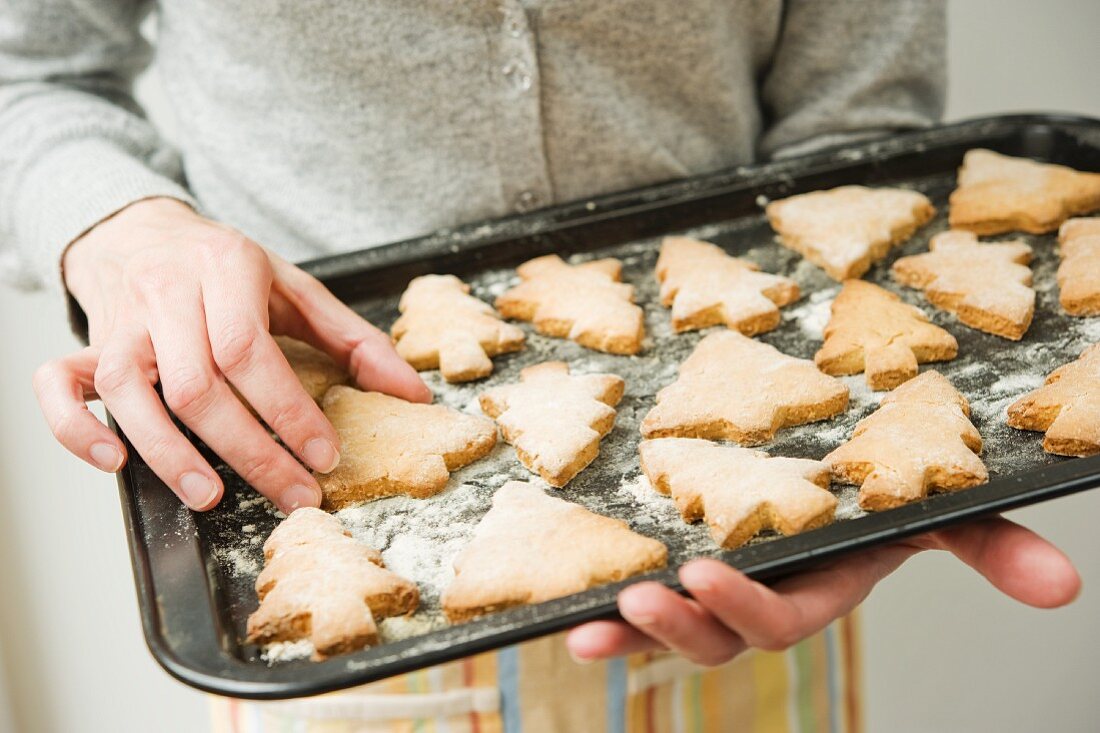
(739, 492)
(872, 331)
(735, 388)
(998, 193)
(1079, 273)
(920, 440)
(314, 368)
(390, 446)
(1067, 407)
(443, 327)
(846, 230)
(987, 285)
(531, 547)
(555, 419)
(585, 303)
(707, 287)
(320, 584)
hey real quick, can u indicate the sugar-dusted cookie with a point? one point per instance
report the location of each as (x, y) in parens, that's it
(1079, 273)
(1067, 407)
(391, 446)
(585, 303)
(988, 285)
(739, 492)
(919, 440)
(555, 419)
(531, 547)
(314, 368)
(320, 584)
(707, 287)
(846, 230)
(998, 193)
(443, 327)
(735, 388)
(872, 331)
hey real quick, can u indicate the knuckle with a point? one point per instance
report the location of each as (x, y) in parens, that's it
(158, 451)
(111, 375)
(65, 429)
(45, 375)
(258, 467)
(234, 346)
(783, 636)
(289, 414)
(187, 390)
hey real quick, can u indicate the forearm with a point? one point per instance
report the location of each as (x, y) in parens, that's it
(74, 146)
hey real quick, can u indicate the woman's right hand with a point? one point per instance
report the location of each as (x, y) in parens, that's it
(174, 298)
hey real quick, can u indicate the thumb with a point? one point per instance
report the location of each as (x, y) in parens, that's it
(1015, 560)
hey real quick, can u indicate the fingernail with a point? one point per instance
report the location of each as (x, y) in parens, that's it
(639, 619)
(106, 456)
(298, 496)
(198, 490)
(321, 455)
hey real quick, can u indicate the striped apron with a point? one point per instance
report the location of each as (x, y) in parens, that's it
(535, 687)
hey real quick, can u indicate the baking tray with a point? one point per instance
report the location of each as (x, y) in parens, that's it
(194, 572)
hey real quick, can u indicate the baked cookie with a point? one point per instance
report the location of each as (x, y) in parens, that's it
(739, 492)
(320, 584)
(998, 193)
(585, 303)
(443, 327)
(987, 285)
(1067, 407)
(846, 230)
(872, 331)
(391, 446)
(555, 419)
(707, 287)
(314, 368)
(735, 388)
(1079, 273)
(531, 547)
(920, 440)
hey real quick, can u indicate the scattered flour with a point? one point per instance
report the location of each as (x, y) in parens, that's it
(287, 651)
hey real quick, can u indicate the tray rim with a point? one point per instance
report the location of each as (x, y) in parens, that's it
(1066, 477)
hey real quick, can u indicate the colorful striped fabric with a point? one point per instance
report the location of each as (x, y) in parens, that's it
(812, 687)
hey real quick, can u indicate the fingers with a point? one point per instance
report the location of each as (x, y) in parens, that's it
(127, 392)
(195, 392)
(63, 387)
(779, 617)
(606, 639)
(336, 329)
(679, 623)
(248, 356)
(1015, 560)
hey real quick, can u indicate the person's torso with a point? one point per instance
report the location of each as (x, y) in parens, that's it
(328, 127)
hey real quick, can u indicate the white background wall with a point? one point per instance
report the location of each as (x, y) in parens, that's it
(943, 651)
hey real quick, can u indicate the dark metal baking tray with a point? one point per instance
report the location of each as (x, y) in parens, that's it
(193, 608)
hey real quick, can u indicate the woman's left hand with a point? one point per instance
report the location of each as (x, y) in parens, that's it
(727, 613)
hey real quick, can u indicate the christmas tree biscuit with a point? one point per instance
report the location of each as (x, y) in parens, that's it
(919, 440)
(320, 584)
(735, 388)
(391, 446)
(531, 547)
(314, 368)
(846, 230)
(707, 287)
(443, 327)
(1079, 273)
(555, 419)
(1067, 407)
(585, 303)
(872, 331)
(739, 492)
(998, 193)
(987, 285)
